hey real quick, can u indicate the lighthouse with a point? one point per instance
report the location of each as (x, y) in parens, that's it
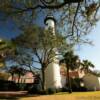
(52, 73)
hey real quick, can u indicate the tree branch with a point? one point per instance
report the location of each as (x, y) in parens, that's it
(75, 17)
(38, 56)
(36, 67)
(44, 6)
(96, 11)
(36, 61)
(74, 20)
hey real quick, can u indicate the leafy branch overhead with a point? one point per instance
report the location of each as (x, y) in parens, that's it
(75, 18)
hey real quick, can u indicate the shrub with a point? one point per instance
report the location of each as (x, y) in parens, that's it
(8, 86)
(58, 90)
(64, 89)
(75, 84)
(43, 92)
(21, 86)
(33, 89)
(51, 90)
(83, 89)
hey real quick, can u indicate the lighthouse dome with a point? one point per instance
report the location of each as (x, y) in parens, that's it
(49, 17)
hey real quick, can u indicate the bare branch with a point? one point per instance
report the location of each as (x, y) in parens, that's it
(74, 20)
(75, 17)
(40, 60)
(36, 67)
(44, 5)
(36, 61)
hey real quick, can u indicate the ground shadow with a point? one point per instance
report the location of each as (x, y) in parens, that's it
(9, 97)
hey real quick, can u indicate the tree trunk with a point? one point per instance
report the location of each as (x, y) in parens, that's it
(69, 81)
(19, 78)
(12, 76)
(43, 79)
(44, 65)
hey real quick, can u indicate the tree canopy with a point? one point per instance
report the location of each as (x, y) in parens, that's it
(71, 62)
(86, 64)
(75, 18)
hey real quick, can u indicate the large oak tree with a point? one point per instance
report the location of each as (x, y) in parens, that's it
(43, 45)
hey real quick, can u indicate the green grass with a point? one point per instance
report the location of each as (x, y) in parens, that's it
(78, 93)
(93, 95)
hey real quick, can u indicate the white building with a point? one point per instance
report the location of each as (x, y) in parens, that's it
(52, 74)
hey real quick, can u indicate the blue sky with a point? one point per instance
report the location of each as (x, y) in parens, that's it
(8, 29)
(89, 52)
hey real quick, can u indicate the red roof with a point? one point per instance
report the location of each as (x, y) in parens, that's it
(71, 74)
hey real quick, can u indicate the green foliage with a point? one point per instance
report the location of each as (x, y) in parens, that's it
(65, 89)
(75, 19)
(87, 64)
(15, 70)
(7, 48)
(71, 60)
(59, 90)
(75, 83)
(43, 92)
(51, 90)
(6, 85)
(6, 44)
(42, 42)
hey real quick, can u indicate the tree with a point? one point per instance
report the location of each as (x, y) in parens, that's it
(12, 72)
(20, 71)
(76, 17)
(24, 58)
(16, 70)
(72, 63)
(43, 46)
(87, 64)
(6, 49)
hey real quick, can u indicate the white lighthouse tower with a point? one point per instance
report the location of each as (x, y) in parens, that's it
(52, 74)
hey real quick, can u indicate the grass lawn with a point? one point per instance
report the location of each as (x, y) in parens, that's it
(66, 96)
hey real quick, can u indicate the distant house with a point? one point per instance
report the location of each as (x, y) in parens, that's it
(91, 82)
(27, 78)
(77, 73)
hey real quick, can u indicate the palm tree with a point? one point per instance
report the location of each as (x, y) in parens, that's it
(12, 72)
(16, 70)
(86, 65)
(20, 71)
(71, 63)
